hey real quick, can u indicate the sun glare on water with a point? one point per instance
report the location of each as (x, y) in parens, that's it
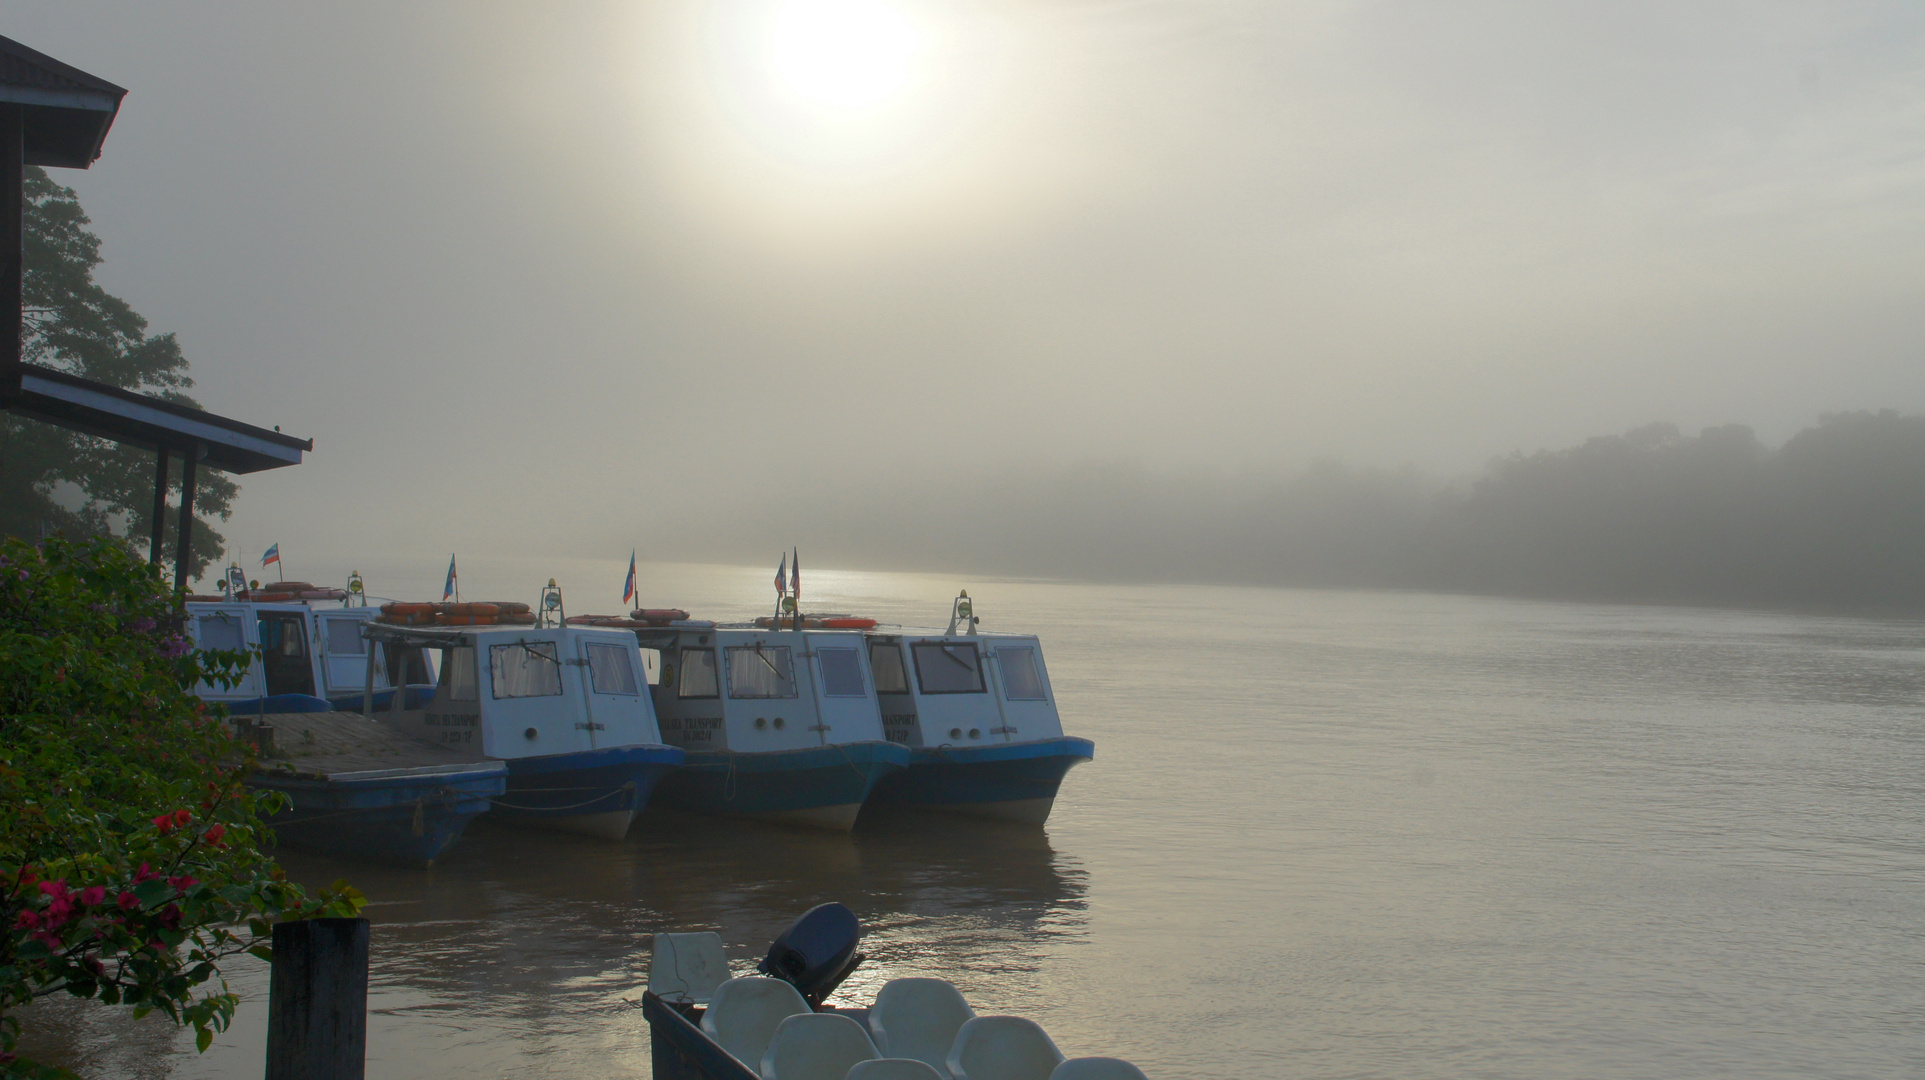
(847, 54)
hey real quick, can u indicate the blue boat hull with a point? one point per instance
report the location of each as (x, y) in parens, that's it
(820, 786)
(594, 792)
(405, 816)
(1011, 781)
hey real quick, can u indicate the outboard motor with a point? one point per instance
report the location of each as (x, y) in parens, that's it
(816, 952)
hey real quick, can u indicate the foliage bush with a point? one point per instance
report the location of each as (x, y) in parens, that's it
(130, 849)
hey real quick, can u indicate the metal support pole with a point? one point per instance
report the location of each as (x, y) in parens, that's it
(160, 507)
(317, 1001)
(13, 234)
(183, 554)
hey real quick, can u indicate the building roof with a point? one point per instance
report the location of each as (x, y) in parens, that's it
(67, 112)
(136, 419)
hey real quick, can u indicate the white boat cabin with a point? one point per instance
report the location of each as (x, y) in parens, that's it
(528, 691)
(752, 690)
(298, 649)
(968, 689)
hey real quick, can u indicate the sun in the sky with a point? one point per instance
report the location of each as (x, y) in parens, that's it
(844, 54)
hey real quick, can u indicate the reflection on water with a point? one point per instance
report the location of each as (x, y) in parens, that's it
(1326, 834)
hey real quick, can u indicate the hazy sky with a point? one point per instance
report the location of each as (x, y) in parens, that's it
(564, 274)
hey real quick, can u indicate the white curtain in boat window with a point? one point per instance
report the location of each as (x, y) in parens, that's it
(948, 667)
(1022, 681)
(220, 632)
(885, 659)
(458, 675)
(841, 672)
(760, 671)
(525, 669)
(697, 677)
(610, 672)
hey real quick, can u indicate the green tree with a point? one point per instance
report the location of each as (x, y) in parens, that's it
(52, 479)
(130, 861)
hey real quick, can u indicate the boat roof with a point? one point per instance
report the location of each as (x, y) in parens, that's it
(446, 637)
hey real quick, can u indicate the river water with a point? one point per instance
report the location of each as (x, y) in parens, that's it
(1326, 834)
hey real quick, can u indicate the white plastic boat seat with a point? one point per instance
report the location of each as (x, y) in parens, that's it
(1003, 1048)
(919, 1018)
(687, 967)
(1097, 1068)
(816, 1046)
(893, 1069)
(744, 1012)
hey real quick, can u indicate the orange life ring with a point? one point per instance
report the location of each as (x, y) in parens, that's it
(658, 615)
(516, 618)
(465, 620)
(846, 622)
(398, 608)
(469, 609)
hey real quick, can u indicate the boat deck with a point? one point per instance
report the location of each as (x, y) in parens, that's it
(326, 745)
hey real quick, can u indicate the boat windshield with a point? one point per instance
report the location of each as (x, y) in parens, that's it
(525, 669)
(458, 675)
(841, 672)
(760, 671)
(1022, 680)
(697, 676)
(948, 667)
(610, 671)
(885, 658)
(220, 632)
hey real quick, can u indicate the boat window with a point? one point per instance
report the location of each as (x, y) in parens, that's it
(760, 671)
(220, 632)
(885, 659)
(525, 669)
(697, 677)
(410, 662)
(841, 672)
(458, 675)
(344, 637)
(948, 667)
(610, 671)
(1022, 681)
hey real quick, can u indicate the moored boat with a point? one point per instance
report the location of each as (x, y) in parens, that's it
(308, 654)
(780, 725)
(566, 707)
(979, 715)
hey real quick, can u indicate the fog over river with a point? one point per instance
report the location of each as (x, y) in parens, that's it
(1326, 834)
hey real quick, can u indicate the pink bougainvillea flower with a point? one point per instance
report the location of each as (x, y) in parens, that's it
(164, 824)
(182, 883)
(128, 901)
(215, 832)
(93, 896)
(27, 920)
(144, 874)
(182, 817)
(54, 888)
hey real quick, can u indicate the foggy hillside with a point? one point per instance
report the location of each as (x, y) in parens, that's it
(1833, 518)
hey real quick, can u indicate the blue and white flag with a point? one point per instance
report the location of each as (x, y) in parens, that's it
(272, 554)
(782, 577)
(628, 587)
(448, 587)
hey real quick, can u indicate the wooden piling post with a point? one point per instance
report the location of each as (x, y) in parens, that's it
(317, 1011)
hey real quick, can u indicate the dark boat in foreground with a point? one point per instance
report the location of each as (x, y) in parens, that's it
(704, 1025)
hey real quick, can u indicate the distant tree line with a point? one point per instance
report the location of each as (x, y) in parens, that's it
(1834, 518)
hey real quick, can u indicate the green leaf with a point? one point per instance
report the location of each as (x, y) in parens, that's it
(203, 1038)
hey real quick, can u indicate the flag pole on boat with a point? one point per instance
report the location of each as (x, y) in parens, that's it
(781, 590)
(273, 555)
(451, 588)
(795, 587)
(628, 587)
